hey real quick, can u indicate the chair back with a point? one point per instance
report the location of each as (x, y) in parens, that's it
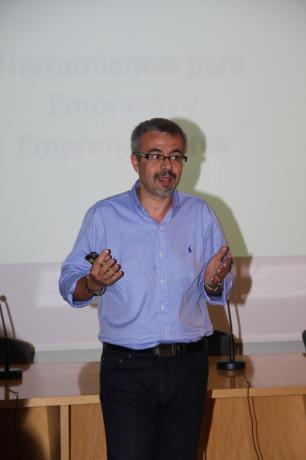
(17, 351)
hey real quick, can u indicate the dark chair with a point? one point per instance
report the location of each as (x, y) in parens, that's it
(18, 351)
(304, 337)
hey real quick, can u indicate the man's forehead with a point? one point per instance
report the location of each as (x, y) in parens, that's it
(161, 139)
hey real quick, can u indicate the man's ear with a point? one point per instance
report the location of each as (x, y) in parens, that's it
(134, 162)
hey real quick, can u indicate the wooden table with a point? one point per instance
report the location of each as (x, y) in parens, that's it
(259, 413)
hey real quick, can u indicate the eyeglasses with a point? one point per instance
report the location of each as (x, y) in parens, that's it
(159, 158)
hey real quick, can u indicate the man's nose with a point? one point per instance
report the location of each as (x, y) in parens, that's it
(166, 162)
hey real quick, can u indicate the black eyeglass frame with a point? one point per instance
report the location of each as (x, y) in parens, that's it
(159, 156)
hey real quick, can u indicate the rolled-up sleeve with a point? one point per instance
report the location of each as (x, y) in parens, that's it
(75, 266)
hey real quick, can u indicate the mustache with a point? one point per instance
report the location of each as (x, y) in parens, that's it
(165, 173)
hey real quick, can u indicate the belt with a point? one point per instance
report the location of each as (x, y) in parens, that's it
(163, 350)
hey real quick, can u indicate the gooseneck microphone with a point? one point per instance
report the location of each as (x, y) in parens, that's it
(231, 364)
(7, 373)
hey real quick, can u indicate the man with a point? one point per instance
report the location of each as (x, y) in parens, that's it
(162, 256)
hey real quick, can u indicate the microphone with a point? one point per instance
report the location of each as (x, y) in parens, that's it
(7, 373)
(231, 364)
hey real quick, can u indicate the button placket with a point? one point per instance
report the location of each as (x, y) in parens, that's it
(162, 283)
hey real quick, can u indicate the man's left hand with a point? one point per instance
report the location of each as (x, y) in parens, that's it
(218, 267)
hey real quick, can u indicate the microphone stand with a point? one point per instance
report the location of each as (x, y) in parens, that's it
(231, 364)
(7, 373)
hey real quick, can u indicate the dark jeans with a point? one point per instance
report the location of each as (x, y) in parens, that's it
(152, 407)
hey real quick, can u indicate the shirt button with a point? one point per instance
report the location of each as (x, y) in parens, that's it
(162, 281)
(162, 307)
(161, 254)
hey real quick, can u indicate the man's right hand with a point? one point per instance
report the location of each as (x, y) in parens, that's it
(104, 272)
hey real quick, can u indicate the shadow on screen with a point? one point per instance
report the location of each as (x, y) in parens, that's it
(197, 152)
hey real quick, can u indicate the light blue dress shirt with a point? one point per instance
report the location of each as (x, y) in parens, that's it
(161, 297)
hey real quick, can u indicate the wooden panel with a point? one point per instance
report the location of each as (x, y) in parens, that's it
(65, 435)
(278, 429)
(281, 424)
(227, 431)
(87, 433)
(31, 433)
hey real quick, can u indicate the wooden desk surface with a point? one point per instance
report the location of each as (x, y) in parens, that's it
(78, 383)
(267, 374)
